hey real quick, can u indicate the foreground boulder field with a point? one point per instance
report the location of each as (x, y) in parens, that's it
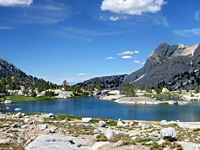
(26, 131)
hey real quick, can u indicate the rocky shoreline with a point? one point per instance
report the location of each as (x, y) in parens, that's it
(141, 100)
(49, 131)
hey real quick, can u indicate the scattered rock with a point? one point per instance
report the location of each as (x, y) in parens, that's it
(41, 120)
(86, 119)
(29, 121)
(110, 134)
(18, 115)
(149, 142)
(18, 109)
(164, 123)
(8, 102)
(6, 125)
(96, 131)
(5, 141)
(189, 145)
(168, 134)
(155, 134)
(143, 125)
(63, 121)
(102, 124)
(97, 145)
(120, 123)
(20, 140)
(25, 127)
(16, 125)
(160, 142)
(43, 126)
(50, 115)
(52, 130)
(133, 134)
(165, 91)
(119, 143)
(80, 125)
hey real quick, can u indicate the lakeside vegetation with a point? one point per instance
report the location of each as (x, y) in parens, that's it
(20, 98)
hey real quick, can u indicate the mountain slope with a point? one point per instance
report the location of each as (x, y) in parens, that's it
(174, 65)
(165, 62)
(106, 82)
(12, 78)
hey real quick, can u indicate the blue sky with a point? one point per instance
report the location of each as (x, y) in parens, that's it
(80, 39)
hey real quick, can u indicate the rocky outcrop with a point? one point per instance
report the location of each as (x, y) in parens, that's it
(57, 141)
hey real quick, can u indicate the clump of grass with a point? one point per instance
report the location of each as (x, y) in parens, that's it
(144, 140)
(156, 146)
(101, 137)
(111, 123)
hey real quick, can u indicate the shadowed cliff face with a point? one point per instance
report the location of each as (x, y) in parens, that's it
(162, 66)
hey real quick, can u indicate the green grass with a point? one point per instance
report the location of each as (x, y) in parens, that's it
(148, 95)
(19, 98)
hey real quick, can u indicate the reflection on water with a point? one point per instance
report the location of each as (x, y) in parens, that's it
(93, 107)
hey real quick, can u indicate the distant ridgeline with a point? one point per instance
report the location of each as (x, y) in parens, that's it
(177, 66)
(12, 78)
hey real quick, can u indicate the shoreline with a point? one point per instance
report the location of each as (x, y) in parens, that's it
(141, 100)
(87, 133)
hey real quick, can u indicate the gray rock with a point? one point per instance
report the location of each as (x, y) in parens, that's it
(18, 115)
(42, 126)
(16, 125)
(149, 142)
(119, 143)
(20, 140)
(29, 121)
(110, 134)
(50, 115)
(120, 123)
(18, 109)
(63, 121)
(155, 134)
(189, 145)
(52, 130)
(164, 123)
(86, 120)
(97, 145)
(102, 124)
(168, 134)
(59, 142)
(25, 127)
(41, 120)
(8, 102)
(5, 141)
(160, 142)
(165, 91)
(96, 131)
(80, 125)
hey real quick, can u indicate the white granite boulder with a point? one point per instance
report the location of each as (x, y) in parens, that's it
(110, 134)
(8, 102)
(168, 134)
(86, 120)
(102, 124)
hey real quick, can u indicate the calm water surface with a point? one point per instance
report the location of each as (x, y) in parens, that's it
(94, 107)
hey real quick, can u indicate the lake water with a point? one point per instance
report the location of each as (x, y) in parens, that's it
(94, 107)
